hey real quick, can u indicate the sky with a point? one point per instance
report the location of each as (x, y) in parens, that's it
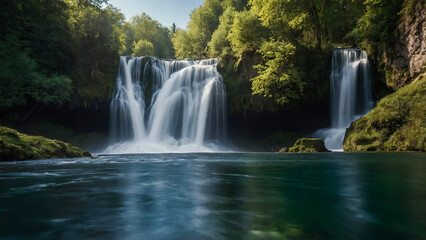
(166, 12)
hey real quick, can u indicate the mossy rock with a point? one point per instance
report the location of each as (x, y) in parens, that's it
(397, 123)
(15, 146)
(309, 145)
(283, 149)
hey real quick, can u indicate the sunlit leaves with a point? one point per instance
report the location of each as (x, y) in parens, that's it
(95, 43)
(204, 20)
(143, 48)
(219, 44)
(143, 27)
(277, 76)
(182, 45)
(246, 33)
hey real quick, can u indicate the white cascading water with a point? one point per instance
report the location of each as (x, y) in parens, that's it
(351, 94)
(167, 106)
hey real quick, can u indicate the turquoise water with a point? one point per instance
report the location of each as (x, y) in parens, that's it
(216, 196)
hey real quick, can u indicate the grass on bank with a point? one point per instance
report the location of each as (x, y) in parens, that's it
(398, 123)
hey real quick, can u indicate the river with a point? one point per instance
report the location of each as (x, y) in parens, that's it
(216, 196)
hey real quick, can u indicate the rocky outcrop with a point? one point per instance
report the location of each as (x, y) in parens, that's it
(15, 146)
(398, 123)
(283, 150)
(309, 145)
(406, 57)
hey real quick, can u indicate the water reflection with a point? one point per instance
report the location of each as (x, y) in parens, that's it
(217, 196)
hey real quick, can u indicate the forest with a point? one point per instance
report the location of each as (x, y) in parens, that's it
(61, 56)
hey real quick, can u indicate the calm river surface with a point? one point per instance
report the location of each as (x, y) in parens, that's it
(216, 196)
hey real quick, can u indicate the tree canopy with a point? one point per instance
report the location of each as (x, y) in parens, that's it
(75, 44)
(151, 32)
(67, 51)
(287, 36)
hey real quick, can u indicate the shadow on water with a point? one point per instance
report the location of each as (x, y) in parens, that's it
(216, 196)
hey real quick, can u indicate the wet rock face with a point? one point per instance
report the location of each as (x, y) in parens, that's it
(414, 28)
(407, 56)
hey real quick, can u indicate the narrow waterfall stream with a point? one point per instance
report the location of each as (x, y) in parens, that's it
(351, 94)
(167, 106)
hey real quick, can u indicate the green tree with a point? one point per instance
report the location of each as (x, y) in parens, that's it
(21, 79)
(246, 33)
(277, 76)
(143, 48)
(145, 28)
(219, 44)
(238, 5)
(129, 36)
(203, 22)
(42, 29)
(286, 18)
(183, 45)
(94, 46)
(309, 22)
(374, 30)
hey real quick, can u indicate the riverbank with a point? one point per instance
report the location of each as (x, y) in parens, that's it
(396, 124)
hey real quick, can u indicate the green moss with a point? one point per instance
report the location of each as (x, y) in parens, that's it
(398, 123)
(308, 145)
(15, 146)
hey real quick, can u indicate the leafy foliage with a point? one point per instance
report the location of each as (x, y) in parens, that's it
(182, 45)
(264, 26)
(143, 27)
(96, 31)
(57, 51)
(51, 90)
(246, 33)
(374, 29)
(75, 44)
(238, 5)
(143, 48)
(219, 45)
(203, 22)
(20, 79)
(277, 77)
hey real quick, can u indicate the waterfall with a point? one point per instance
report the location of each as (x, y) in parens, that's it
(351, 94)
(167, 106)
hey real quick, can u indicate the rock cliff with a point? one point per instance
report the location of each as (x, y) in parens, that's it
(406, 57)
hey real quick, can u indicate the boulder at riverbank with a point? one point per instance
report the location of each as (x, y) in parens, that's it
(16, 146)
(397, 123)
(309, 145)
